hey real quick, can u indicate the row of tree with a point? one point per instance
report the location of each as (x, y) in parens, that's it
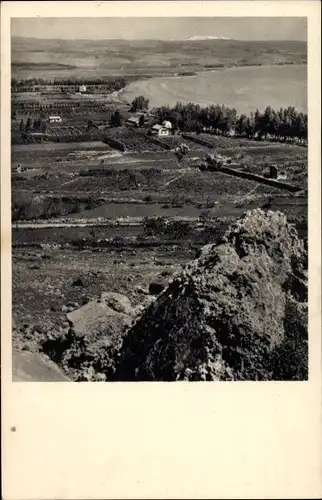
(36, 125)
(116, 80)
(286, 122)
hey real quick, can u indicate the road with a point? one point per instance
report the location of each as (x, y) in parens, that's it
(128, 221)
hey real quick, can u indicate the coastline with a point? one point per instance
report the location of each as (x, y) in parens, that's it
(193, 74)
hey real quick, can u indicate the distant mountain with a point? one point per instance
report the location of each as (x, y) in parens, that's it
(210, 37)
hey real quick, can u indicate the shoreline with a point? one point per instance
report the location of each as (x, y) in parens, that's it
(175, 75)
(170, 72)
(194, 73)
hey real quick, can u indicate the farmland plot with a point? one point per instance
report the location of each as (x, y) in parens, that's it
(175, 140)
(134, 141)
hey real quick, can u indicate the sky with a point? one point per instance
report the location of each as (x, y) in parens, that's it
(162, 28)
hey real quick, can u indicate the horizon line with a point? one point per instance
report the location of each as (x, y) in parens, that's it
(219, 39)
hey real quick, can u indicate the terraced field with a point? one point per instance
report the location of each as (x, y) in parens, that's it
(131, 140)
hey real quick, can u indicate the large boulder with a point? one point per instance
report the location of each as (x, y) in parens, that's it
(111, 311)
(89, 350)
(238, 312)
(35, 367)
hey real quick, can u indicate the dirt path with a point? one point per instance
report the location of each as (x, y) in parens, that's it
(188, 170)
(241, 200)
(68, 182)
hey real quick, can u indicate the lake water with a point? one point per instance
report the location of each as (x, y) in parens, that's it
(244, 88)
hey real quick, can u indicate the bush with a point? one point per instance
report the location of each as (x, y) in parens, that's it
(161, 226)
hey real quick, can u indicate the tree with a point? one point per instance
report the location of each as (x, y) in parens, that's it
(115, 120)
(37, 123)
(22, 126)
(141, 121)
(43, 126)
(198, 126)
(286, 123)
(28, 124)
(139, 104)
(241, 125)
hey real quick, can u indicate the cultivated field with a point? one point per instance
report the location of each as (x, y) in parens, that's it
(126, 189)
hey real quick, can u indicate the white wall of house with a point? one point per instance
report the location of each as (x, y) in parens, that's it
(164, 131)
(160, 131)
(55, 119)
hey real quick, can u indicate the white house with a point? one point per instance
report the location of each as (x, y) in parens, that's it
(160, 130)
(82, 88)
(55, 119)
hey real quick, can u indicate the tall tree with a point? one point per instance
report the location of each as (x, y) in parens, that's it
(22, 126)
(28, 124)
(139, 104)
(116, 120)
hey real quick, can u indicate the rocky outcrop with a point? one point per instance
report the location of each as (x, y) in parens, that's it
(88, 351)
(238, 312)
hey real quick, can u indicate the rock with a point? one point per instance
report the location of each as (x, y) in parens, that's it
(34, 367)
(94, 337)
(165, 274)
(156, 287)
(147, 301)
(109, 315)
(140, 289)
(80, 282)
(84, 300)
(64, 308)
(232, 314)
(117, 302)
(38, 328)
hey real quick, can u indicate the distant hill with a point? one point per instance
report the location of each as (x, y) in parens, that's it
(108, 57)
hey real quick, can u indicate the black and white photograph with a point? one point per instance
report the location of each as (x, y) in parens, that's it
(159, 199)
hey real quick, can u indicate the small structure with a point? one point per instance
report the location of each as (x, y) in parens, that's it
(55, 119)
(273, 172)
(82, 89)
(133, 121)
(160, 130)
